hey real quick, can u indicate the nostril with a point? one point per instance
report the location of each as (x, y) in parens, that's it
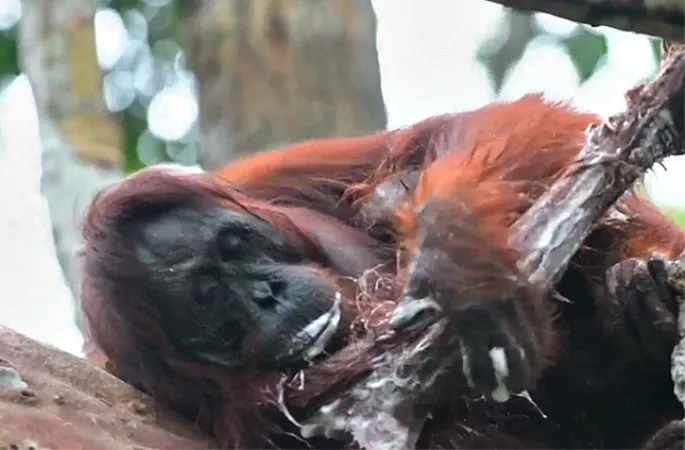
(208, 289)
(277, 288)
(263, 294)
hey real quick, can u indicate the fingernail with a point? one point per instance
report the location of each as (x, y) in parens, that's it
(410, 308)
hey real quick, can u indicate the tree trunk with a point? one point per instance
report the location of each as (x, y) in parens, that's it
(277, 71)
(81, 141)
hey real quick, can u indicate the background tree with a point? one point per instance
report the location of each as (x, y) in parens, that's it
(276, 71)
(269, 72)
(81, 140)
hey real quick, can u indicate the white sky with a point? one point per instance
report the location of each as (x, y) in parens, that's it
(427, 50)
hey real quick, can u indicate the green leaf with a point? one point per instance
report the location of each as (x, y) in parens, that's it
(586, 48)
(656, 47)
(9, 59)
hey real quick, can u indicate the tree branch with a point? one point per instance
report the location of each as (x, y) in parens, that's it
(661, 18)
(617, 153)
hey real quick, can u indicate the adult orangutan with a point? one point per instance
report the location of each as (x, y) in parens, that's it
(207, 289)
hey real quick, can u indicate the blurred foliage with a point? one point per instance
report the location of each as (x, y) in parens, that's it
(9, 62)
(503, 49)
(586, 48)
(140, 60)
(147, 81)
(151, 61)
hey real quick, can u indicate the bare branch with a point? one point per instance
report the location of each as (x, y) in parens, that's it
(661, 18)
(616, 154)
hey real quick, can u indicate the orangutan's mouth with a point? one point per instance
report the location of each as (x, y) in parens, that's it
(321, 331)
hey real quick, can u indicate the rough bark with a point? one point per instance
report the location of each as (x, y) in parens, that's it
(277, 71)
(661, 18)
(51, 399)
(617, 153)
(56, 43)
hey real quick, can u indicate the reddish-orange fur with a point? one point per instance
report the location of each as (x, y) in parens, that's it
(496, 161)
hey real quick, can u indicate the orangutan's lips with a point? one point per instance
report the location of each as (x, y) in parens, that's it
(320, 331)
